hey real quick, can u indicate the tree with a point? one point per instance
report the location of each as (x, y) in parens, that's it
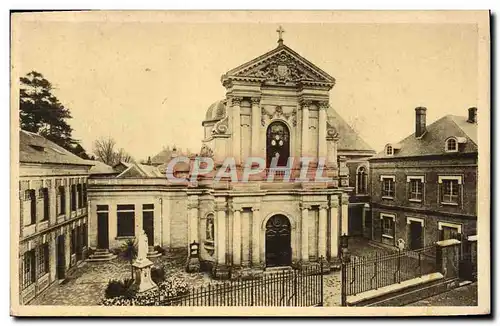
(41, 112)
(129, 251)
(104, 150)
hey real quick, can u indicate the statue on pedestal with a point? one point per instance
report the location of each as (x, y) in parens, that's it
(142, 266)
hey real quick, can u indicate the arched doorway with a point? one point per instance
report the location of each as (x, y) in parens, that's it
(277, 143)
(278, 241)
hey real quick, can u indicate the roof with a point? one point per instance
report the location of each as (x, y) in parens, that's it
(267, 65)
(433, 141)
(34, 148)
(216, 111)
(100, 168)
(137, 170)
(349, 140)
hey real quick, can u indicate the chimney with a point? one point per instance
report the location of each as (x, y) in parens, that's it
(420, 124)
(472, 115)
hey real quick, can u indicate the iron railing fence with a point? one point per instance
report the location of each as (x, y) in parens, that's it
(362, 274)
(301, 288)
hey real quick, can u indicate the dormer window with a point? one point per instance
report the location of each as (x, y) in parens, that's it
(451, 145)
(389, 150)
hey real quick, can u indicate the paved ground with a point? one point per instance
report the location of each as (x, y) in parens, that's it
(462, 296)
(86, 285)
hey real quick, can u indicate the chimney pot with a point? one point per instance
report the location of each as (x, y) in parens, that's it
(472, 115)
(420, 121)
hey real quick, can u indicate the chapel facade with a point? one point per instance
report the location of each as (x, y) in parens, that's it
(277, 106)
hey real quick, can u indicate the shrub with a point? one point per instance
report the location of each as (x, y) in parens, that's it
(118, 288)
(172, 287)
(157, 274)
(160, 249)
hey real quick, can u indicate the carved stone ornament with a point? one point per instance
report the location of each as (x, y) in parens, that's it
(236, 100)
(278, 113)
(255, 100)
(323, 105)
(331, 132)
(206, 151)
(221, 127)
(282, 68)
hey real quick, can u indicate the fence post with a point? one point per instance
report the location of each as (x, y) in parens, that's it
(295, 288)
(343, 287)
(375, 270)
(209, 294)
(321, 281)
(399, 265)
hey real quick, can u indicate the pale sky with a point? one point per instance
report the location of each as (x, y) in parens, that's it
(148, 85)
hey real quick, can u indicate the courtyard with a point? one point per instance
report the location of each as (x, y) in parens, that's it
(86, 285)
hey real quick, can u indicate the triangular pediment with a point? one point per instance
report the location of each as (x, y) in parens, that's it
(281, 65)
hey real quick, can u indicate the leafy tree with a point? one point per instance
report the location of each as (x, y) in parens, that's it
(42, 113)
(129, 252)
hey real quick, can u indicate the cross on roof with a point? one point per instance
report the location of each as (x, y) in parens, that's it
(280, 31)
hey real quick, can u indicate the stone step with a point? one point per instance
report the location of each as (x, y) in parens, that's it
(101, 255)
(153, 254)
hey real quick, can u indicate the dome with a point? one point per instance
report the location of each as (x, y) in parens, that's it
(216, 111)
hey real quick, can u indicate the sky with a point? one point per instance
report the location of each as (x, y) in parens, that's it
(149, 84)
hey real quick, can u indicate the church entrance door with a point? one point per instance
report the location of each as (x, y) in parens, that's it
(278, 241)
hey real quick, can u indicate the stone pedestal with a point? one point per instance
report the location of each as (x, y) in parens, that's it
(221, 272)
(193, 265)
(142, 272)
(447, 257)
(152, 253)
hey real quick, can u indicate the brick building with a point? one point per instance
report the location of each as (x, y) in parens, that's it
(424, 188)
(53, 209)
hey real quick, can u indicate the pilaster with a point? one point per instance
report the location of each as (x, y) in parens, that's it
(322, 149)
(236, 124)
(334, 228)
(305, 127)
(256, 112)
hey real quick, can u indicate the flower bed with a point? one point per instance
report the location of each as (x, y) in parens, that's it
(170, 288)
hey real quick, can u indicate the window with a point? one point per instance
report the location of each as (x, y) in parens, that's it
(388, 185)
(43, 259)
(46, 203)
(62, 200)
(28, 268)
(210, 228)
(361, 180)
(450, 190)
(389, 150)
(84, 235)
(451, 145)
(30, 195)
(74, 234)
(84, 190)
(416, 188)
(73, 198)
(80, 195)
(449, 231)
(126, 220)
(387, 226)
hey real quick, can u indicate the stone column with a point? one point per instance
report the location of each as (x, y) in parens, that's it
(305, 233)
(236, 124)
(255, 236)
(236, 236)
(193, 221)
(221, 235)
(255, 126)
(322, 150)
(220, 269)
(305, 127)
(52, 202)
(322, 228)
(345, 214)
(67, 191)
(334, 228)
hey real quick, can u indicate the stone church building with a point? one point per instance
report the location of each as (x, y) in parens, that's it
(276, 106)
